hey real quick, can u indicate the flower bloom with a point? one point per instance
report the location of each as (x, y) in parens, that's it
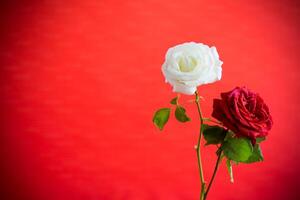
(244, 112)
(191, 64)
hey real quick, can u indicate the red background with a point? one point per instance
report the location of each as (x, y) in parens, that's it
(80, 81)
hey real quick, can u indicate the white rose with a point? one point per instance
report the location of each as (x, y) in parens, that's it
(191, 64)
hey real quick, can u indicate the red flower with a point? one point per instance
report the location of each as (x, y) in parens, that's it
(244, 112)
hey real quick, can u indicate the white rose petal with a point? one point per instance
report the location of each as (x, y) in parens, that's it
(191, 64)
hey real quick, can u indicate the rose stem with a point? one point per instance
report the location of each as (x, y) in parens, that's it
(202, 194)
(214, 174)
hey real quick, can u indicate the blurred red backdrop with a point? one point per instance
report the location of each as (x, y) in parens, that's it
(80, 81)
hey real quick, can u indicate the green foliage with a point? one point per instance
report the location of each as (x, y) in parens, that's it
(229, 168)
(256, 155)
(161, 117)
(174, 101)
(237, 149)
(213, 134)
(260, 139)
(180, 114)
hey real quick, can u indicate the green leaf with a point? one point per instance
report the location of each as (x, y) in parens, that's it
(229, 135)
(174, 101)
(161, 117)
(229, 168)
(237, 149)
(260, 139)
(181, 115)
(213, 134)
(256, 156)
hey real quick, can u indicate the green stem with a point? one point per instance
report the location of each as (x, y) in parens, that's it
(202, 194)
(214, 174)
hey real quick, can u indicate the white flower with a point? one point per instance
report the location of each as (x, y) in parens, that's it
(191, 64)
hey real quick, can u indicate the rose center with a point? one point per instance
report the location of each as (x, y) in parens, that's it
(187, 63)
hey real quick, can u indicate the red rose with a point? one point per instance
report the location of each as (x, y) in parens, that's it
(244, 112)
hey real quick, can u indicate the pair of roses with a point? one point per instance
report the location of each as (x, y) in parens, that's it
(192, 64)
(243, 117)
